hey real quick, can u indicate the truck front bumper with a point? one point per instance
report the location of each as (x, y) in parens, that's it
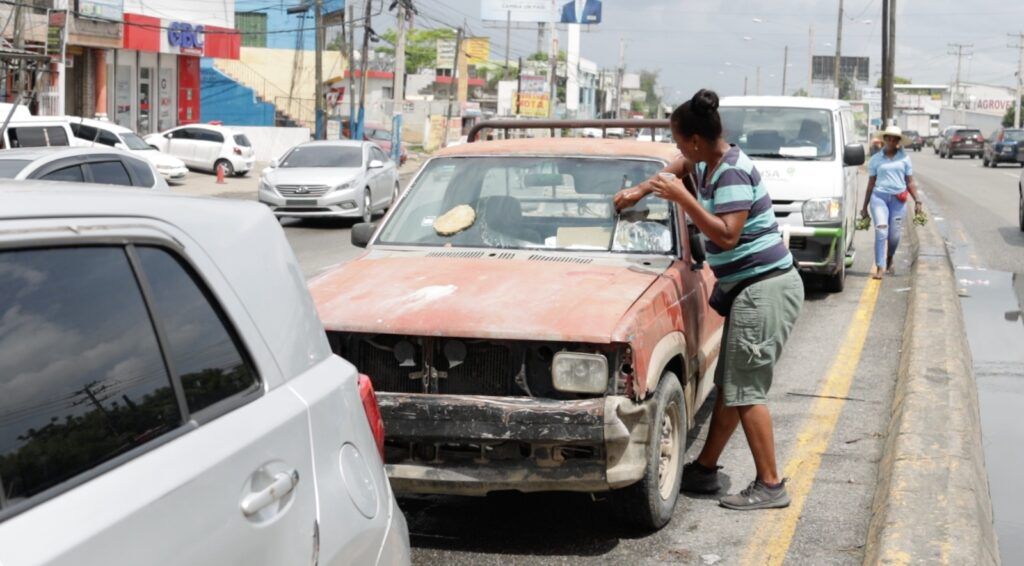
(815, 250)
(473, 445)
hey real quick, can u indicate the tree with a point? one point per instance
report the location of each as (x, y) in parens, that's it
(420, 47)
(896, 80)
(649, 84)
(1008, 117)
(541, 56)
(800, 92)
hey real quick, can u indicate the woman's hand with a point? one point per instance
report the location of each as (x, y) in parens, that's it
(667, 188)
(864, 212)
(628, 197)
(918, 207)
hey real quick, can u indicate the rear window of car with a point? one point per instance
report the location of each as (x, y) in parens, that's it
(241, 140)
(912, 133)
(9, 168)
(38, 136)
(1014, 135)
(967, 133)
(141, 171)
(110, 173)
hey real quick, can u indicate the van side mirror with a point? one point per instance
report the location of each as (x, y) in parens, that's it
(697, 254)
(273, 164)
(362, 233)
(853, 155)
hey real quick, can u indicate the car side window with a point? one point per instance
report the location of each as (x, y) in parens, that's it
(107, 138)
(83, 132)
(210, 136)
(182, 134)
(27, 137)
(110, 173)
(84, 380)
(68, 174)
(141, 171)
(204, 350)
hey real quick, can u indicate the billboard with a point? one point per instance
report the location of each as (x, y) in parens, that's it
(445, 53)
(477, 50)
(530, 11)
(823, 68)
(101, 9)
(532, 105)
(581, 12)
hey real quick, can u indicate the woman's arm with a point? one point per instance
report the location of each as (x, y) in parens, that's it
(912, 187)
(628, 197)
(722, 229)
(867, 195)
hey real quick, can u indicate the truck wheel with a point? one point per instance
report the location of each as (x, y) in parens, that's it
(649, 503)
(1020, 208)
(984, 161)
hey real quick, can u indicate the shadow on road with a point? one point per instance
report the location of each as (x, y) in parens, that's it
(1012, 235)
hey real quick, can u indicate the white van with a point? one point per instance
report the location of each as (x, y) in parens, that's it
(37, 131)
(99, 133)
(808, 153)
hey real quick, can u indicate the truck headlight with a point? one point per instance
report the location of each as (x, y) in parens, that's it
(822, 210)
(580, 373)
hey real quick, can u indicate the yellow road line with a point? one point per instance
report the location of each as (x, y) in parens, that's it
(775, 529)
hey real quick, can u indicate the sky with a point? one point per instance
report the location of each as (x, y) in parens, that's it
(712, 44)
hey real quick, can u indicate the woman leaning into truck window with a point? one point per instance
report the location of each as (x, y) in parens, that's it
(758, 291)
(890, 182)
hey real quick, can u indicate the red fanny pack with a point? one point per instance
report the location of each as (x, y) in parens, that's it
(903, 196)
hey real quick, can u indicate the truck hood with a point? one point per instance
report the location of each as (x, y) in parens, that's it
(507, 299)
(799, 180)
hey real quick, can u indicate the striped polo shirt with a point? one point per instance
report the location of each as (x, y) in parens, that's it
(734, 186)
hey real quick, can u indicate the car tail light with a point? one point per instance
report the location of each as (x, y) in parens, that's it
(956, 139)
(372, 411)
(238, 151)
(979, 138)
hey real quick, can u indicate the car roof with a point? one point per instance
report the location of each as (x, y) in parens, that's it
(214, 127)
(34, 153)
(568, 147)
(239, 237)
(111, 126)
(337, 143)
(784, 102)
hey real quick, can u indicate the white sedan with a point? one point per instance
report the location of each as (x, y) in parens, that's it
(342, 179)
(169, 395)
(97, 133)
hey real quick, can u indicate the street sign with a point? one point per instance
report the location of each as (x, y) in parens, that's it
(532, 11)
(445, 53)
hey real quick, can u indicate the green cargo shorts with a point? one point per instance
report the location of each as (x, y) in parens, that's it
(758, 325)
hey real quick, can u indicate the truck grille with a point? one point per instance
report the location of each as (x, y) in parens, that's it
(488, 370)
(309, 191)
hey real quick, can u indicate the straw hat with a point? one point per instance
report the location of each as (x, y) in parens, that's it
(894, 131)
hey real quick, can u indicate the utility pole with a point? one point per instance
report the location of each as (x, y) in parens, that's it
(839, 52)
(399, 87)
(19, 43)
(785, 64)
(886, 92)
(891, 53)
(540, 37)
(1020, 70)
(455, 67)
(553, 74)
(364, 68)
(958, 98)
(508, 38)
(744, 85)
(318, 25)
(351, 71)
(757, 89)
(621, 76)
(519, 85)
(810, 59)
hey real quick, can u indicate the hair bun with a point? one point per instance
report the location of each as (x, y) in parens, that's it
(705, 102)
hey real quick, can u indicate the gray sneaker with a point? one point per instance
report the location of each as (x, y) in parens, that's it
(757, 496)
(698, 479)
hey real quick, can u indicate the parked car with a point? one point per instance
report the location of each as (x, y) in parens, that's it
(106, 166)
(379, 134)
(962, 141)
(346, 179)
(650, 135)
(37, 131)
(169, 395)
(808, 153)
(1020, 202)
(912, 140)
(93, 132)
(937, 140)
(205, 147)
(523, 336)
(1005, 145)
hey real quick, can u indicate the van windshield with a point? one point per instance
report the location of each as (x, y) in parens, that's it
(780, 133)
(132, 141)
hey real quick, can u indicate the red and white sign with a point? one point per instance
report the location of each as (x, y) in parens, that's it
(158, 35)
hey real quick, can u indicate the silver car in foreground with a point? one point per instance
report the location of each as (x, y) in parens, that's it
(168, 394)
(100, 165)
(342, 179)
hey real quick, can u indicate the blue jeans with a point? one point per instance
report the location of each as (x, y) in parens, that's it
(887, 211)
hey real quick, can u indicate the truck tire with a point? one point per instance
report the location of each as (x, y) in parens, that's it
(836, 282)
(649, 503)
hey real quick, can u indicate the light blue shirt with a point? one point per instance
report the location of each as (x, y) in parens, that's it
(890, 173)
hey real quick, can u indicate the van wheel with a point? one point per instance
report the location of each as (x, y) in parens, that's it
(836, 282)
(649, 503)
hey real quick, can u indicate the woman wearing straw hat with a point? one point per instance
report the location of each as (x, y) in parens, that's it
(890, 182)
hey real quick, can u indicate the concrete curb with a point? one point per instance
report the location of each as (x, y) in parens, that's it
(932, 503)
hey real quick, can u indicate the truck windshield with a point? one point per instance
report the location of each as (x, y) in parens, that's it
(780, 133)
(554, 203)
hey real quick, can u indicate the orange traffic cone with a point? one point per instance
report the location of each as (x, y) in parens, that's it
(220, 173)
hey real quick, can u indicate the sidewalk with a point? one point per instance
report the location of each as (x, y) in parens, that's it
(205, 184)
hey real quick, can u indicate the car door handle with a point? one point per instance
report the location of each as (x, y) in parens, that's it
(282, 485)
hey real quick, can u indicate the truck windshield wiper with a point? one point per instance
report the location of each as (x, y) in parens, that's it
(783, 156)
